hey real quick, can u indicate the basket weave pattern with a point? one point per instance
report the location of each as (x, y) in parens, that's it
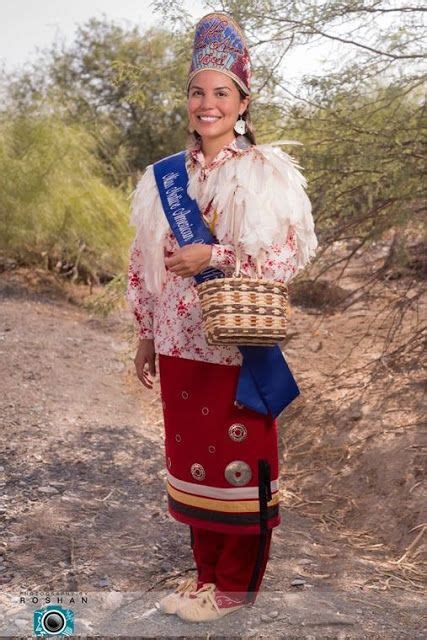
(243, 311)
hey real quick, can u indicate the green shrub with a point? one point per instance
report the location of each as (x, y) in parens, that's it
(55, 208)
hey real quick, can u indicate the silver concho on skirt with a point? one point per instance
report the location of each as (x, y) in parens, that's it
(238, 473)
(197, 471)
(237, 432)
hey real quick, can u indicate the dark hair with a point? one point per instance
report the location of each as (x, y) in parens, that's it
(250, 132)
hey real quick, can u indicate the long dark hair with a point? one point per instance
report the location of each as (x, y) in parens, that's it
(194, 137)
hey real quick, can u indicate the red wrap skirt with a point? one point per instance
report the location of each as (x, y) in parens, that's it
(221, 460)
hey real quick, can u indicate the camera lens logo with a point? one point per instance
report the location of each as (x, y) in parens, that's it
(53, 621)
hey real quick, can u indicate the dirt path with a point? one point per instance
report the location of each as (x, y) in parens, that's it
(82, 501)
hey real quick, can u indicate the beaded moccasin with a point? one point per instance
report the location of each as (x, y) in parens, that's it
(207, 604)
(171, 602)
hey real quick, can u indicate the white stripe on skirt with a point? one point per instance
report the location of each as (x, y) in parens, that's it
(234, 493)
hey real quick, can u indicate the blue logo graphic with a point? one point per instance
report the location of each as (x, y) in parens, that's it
(53, 620)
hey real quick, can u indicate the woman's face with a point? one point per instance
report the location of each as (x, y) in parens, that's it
(214, 104)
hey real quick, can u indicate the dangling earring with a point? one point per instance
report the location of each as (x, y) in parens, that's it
(242, 141)
(240, 126)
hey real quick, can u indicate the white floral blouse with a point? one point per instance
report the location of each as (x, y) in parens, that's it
(173, 316)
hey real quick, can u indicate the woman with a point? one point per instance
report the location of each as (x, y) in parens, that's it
(221, 457)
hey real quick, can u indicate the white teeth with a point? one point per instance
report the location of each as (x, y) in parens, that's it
(209, 118)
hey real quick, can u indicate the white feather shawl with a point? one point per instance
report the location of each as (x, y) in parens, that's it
(258, 194)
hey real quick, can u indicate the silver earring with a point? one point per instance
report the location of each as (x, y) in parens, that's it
(240, 126)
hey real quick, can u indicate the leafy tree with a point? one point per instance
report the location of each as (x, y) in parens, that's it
(363, 153)
(90, 83)
(55, 208)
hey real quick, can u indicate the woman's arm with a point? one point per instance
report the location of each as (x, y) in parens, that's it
(140, 300)
(142, 305)
(279, 262)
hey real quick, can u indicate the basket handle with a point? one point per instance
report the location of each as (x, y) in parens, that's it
(237, 273)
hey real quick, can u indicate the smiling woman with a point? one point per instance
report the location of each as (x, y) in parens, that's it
(214, 106)
(221, 455)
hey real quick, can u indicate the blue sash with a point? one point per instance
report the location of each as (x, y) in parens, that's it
(266, 384)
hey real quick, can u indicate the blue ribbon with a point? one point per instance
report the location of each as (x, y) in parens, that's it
(266, 384)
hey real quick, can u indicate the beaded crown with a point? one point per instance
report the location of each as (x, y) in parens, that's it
(219, 45)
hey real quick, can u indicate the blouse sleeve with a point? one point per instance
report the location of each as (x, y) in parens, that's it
(279, 264)
(140, 300)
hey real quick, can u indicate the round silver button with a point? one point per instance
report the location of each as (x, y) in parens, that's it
(237, 432)
(238, 473)
(197, 471)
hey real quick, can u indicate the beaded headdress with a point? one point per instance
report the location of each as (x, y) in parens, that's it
(219, 45)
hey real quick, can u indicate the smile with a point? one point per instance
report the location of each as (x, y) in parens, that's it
(208, 118)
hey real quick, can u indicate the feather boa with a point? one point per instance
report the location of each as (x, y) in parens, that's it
(258, 194)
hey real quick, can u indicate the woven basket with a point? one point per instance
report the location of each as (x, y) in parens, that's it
(243, 311)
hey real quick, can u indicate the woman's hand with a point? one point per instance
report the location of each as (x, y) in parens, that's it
(189, 260)
(145, 358)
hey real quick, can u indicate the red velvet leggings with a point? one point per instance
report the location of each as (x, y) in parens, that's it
(234, 562)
